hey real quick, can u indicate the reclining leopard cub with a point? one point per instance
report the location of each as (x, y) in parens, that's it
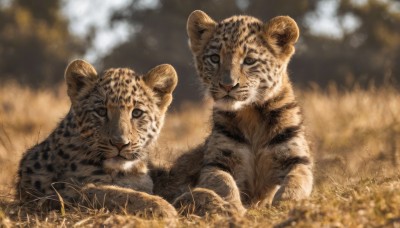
(99, 151)
(257, 153)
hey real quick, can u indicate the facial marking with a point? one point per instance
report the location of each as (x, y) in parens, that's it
(121, 132)
(245, 57)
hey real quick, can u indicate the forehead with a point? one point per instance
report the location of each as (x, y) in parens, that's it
(236, 31)
(122, 86)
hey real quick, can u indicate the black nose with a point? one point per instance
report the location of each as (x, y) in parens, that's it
(228, 87)
(119, 142)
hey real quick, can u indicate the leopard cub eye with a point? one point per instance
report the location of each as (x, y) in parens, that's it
(101, 111)
(136, 113)
(249, 61)
(214, 58)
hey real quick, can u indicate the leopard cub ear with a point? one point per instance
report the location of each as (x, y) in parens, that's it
(162, 80)
(282, 33)
(199, 28)
(80, 76)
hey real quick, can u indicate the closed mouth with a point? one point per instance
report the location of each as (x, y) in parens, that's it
(227, 97)
(120, 157)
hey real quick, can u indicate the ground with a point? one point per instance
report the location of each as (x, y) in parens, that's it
(354, 135)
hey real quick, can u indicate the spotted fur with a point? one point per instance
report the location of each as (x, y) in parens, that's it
(100, 149)
(257, 153)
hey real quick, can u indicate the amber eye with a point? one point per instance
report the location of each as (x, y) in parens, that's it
(214, 58)
(249, 61)
(136, 113)
(101, 111)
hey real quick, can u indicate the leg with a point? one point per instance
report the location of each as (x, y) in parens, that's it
(202, 202)
(287, 173)
(296, 185)
(128, 200)
(216, 192)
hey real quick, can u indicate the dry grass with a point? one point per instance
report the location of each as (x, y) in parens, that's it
(355, 138)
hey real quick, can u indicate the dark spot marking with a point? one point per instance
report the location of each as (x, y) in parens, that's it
(37, 165)
(38, 185)
(45, 155)
(98, 172)
(72, 147)
(87, 162)
(29, 170)
(66, 156)
(50, 168)
(73, 167)
(287, 134)
(60, 153)
(66, 133)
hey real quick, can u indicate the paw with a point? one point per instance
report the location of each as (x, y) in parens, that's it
(129, 201)
(155, 207)
(203, 202)
(285, 194)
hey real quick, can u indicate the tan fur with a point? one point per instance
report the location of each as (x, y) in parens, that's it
(98, 154)
(257, 153)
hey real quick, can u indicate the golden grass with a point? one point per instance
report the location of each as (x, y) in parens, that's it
(355, 138)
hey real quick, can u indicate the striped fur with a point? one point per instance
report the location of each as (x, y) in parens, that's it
(258, 135)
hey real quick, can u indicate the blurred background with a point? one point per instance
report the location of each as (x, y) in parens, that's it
(346, 72)
(346, 69)
(346, 42)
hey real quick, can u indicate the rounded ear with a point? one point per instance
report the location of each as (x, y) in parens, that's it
(199, 28)
(79, 75)
(282, 33)
(162, 80)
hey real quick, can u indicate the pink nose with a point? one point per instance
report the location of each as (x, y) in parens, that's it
(119, 144)
(228, 87)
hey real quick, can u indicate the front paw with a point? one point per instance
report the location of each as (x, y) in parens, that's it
(203, 202)
(285, 194)
(151, 207)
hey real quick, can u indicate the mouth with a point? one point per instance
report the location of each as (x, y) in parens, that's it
(119, 158)
(227, 98)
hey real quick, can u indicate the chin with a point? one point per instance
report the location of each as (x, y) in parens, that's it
(229, 105)
(122, 165)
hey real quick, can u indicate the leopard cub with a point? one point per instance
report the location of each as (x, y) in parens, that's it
(98, 153)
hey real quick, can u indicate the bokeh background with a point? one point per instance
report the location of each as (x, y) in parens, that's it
(346, 42)
(346, 73)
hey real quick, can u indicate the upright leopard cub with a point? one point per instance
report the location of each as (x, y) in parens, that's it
(99, 151)
(257, 153)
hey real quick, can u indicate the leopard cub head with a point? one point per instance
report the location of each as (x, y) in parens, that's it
(241, 60)
(119, 112)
